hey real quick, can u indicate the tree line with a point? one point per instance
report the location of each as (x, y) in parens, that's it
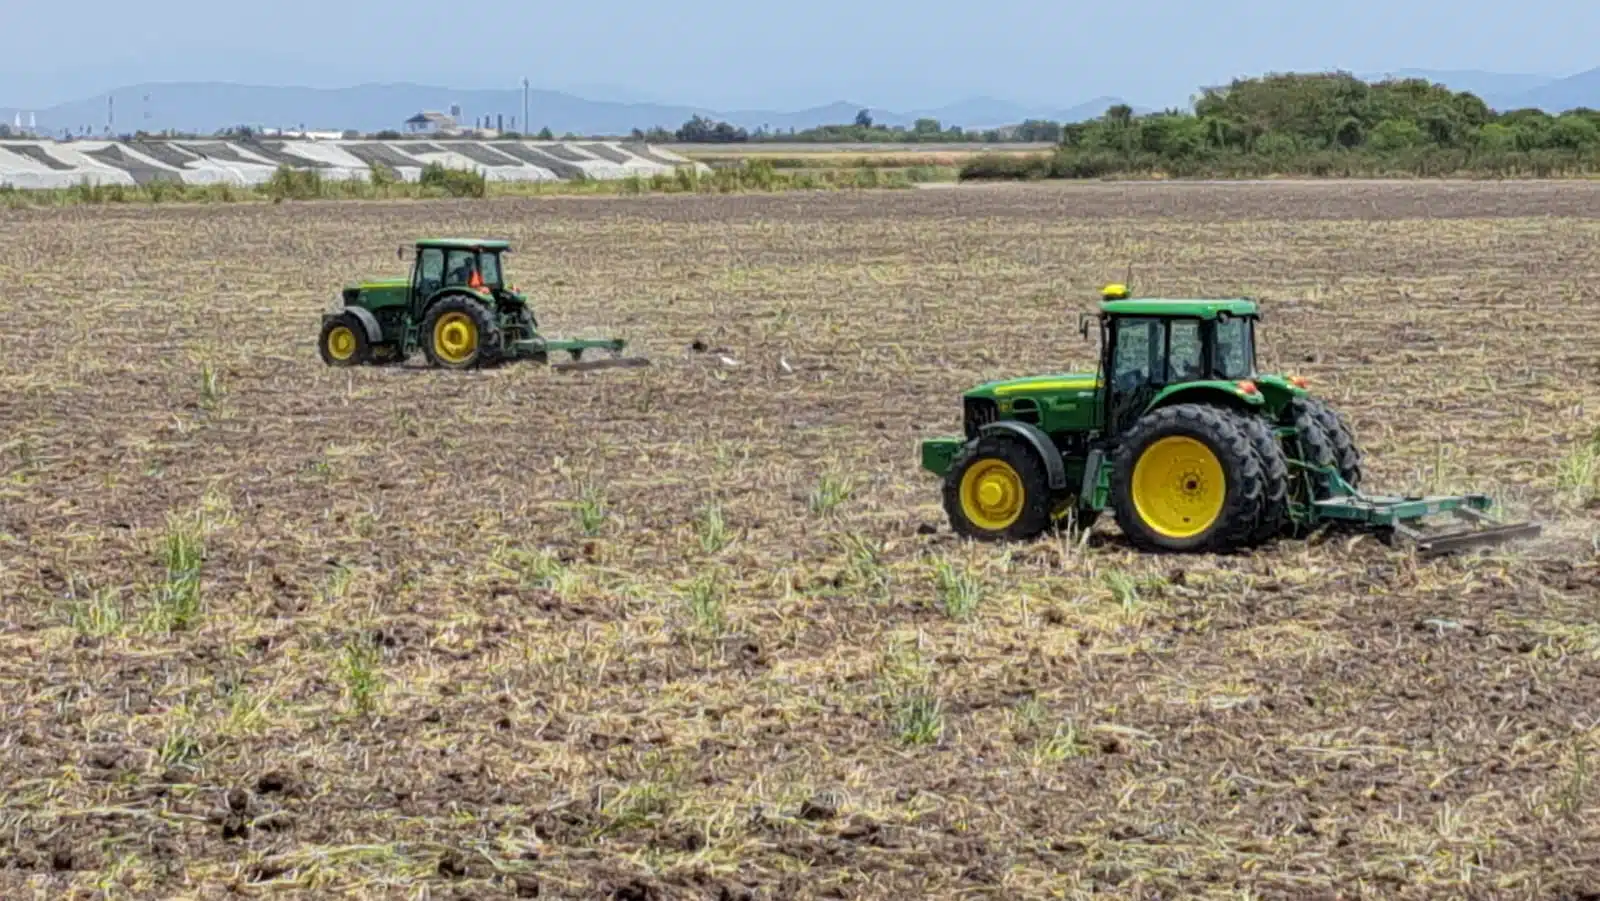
(1316, 124)
(701, 130)
(1282, 124)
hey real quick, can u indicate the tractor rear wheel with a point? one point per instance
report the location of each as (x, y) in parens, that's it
(1316, 446)
(343, 342)
(998, 490)
(1275, 476)
(460, 333)
(1346, 453)
(1187, 478)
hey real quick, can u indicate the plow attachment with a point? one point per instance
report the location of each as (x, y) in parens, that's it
(542, 348)
(1396, 519)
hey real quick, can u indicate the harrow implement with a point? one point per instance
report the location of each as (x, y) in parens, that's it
(1399, 520)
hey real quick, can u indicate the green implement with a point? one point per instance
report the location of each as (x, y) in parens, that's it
(1396, 519)
(457, 310)
(1183, 439)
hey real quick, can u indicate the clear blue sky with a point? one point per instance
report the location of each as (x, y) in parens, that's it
(889, 53)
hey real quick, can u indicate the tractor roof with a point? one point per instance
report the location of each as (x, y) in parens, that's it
(465, 243)
(1160, 306)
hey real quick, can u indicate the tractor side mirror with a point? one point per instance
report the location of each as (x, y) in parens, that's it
(1083, 325)
(400, 252)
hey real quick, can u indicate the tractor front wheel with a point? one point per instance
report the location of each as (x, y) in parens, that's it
(1187, 478)
(998, 490)
(460, 333)
(343, 342)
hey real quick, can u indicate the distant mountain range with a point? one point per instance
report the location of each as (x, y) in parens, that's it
(1511, 91)
(205, 107)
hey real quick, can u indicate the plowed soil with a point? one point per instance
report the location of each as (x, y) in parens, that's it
(273, 629)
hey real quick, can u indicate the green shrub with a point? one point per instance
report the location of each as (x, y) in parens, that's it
(294, 184)
(454, 182)
(1005, 166)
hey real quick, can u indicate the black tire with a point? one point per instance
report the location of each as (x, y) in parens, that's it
(486, 351)
(1032, 482)
(1222, 432)
(1315, 448)
(343, 342)
(1275, 477)
(1346, 453)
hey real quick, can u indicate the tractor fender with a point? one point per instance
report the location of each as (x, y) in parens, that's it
(1278, 391)
(1221, 393)
(1035, 436)
(369, 323)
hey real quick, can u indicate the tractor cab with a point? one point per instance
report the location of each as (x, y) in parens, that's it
(469, 263)
(1149, 346)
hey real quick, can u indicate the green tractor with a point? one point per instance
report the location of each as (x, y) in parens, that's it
(1182, 438)
(456, 308)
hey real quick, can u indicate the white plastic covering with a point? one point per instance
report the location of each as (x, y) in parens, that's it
(200, 162)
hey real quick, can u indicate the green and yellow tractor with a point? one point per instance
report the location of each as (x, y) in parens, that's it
(1183, 439)
(455, 308)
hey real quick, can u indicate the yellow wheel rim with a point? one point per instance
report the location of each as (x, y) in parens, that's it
(341, 343)
(1178, 487)
(991, 494)
(455, 337)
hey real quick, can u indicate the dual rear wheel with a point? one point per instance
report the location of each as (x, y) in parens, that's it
(461, 333)
(1190, 477)
(1194, 477)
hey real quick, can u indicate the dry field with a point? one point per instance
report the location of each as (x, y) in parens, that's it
(700, 631)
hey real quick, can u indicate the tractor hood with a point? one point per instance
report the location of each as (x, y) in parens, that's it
(388, 292)
(1036, 385)
(381, 284)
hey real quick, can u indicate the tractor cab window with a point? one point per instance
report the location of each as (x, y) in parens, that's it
(459, 266)
(430, 270)
(1235, 351)
(489, 266)
(1139, 344)
(1184, 358)
(472, 268)
(1138, 367)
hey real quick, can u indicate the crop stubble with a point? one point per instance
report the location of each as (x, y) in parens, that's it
(409, 666)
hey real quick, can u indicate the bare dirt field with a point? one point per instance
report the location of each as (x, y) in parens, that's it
(270, 629)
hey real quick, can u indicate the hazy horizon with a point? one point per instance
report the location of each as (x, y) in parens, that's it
(895, 54)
